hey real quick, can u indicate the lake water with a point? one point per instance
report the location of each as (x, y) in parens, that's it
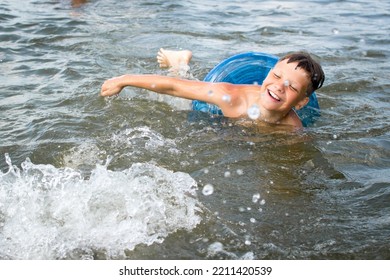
(134, 177)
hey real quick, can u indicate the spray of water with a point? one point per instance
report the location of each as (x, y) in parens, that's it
(54, 213)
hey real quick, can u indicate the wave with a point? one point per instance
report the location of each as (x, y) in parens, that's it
(55, 213)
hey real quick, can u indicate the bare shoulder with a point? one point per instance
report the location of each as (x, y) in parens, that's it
(236, 98)
(292, 119)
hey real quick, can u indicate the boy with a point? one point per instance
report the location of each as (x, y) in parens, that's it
(288, 85)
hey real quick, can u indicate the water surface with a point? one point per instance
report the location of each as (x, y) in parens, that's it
(85, 177)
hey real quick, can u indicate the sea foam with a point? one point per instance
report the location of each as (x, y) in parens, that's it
(55, 213)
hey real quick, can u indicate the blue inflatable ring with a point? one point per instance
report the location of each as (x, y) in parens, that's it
(250, 68)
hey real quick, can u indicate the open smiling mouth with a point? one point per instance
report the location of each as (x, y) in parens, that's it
(273, 95)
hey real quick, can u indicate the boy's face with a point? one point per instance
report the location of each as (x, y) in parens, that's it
(285, 87)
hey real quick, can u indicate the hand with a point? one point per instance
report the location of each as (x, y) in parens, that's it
(111, 87)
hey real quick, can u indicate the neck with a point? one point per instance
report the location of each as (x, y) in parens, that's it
(271, 116)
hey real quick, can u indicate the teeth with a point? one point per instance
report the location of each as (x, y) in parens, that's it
(274, 95)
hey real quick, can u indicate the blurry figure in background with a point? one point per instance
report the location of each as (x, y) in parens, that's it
(78, 3)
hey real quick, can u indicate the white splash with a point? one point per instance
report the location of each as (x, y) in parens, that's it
(215, 247)
(54, 213)
(143, 136)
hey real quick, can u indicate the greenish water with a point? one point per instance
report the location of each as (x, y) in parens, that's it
(86, 177)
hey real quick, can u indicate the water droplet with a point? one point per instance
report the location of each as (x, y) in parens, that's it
(253, 112)
(262, 202)
(227, 174)
(253, 220)
(286, 83)
(248, 242)
(248, 256)
(335, 31)
(240, 172)
(255, 197)
(208, 189)
(210, 92)
(153, 85)
(226, 98)
(241, 223)
(215, 247)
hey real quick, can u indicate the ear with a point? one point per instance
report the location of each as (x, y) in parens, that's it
(302, 103)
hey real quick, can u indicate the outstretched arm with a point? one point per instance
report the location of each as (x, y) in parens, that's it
(224, 95)
(160, 84)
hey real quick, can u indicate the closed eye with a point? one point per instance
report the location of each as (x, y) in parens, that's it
(293, 88)
(276, 76)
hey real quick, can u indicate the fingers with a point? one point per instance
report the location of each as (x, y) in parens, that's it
(104, 89)
(109, 88)
(109, 92)
(112, 86)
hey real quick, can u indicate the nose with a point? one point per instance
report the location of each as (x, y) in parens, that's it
(281, 85)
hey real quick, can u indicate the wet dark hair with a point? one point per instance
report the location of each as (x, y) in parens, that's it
(312, 68)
